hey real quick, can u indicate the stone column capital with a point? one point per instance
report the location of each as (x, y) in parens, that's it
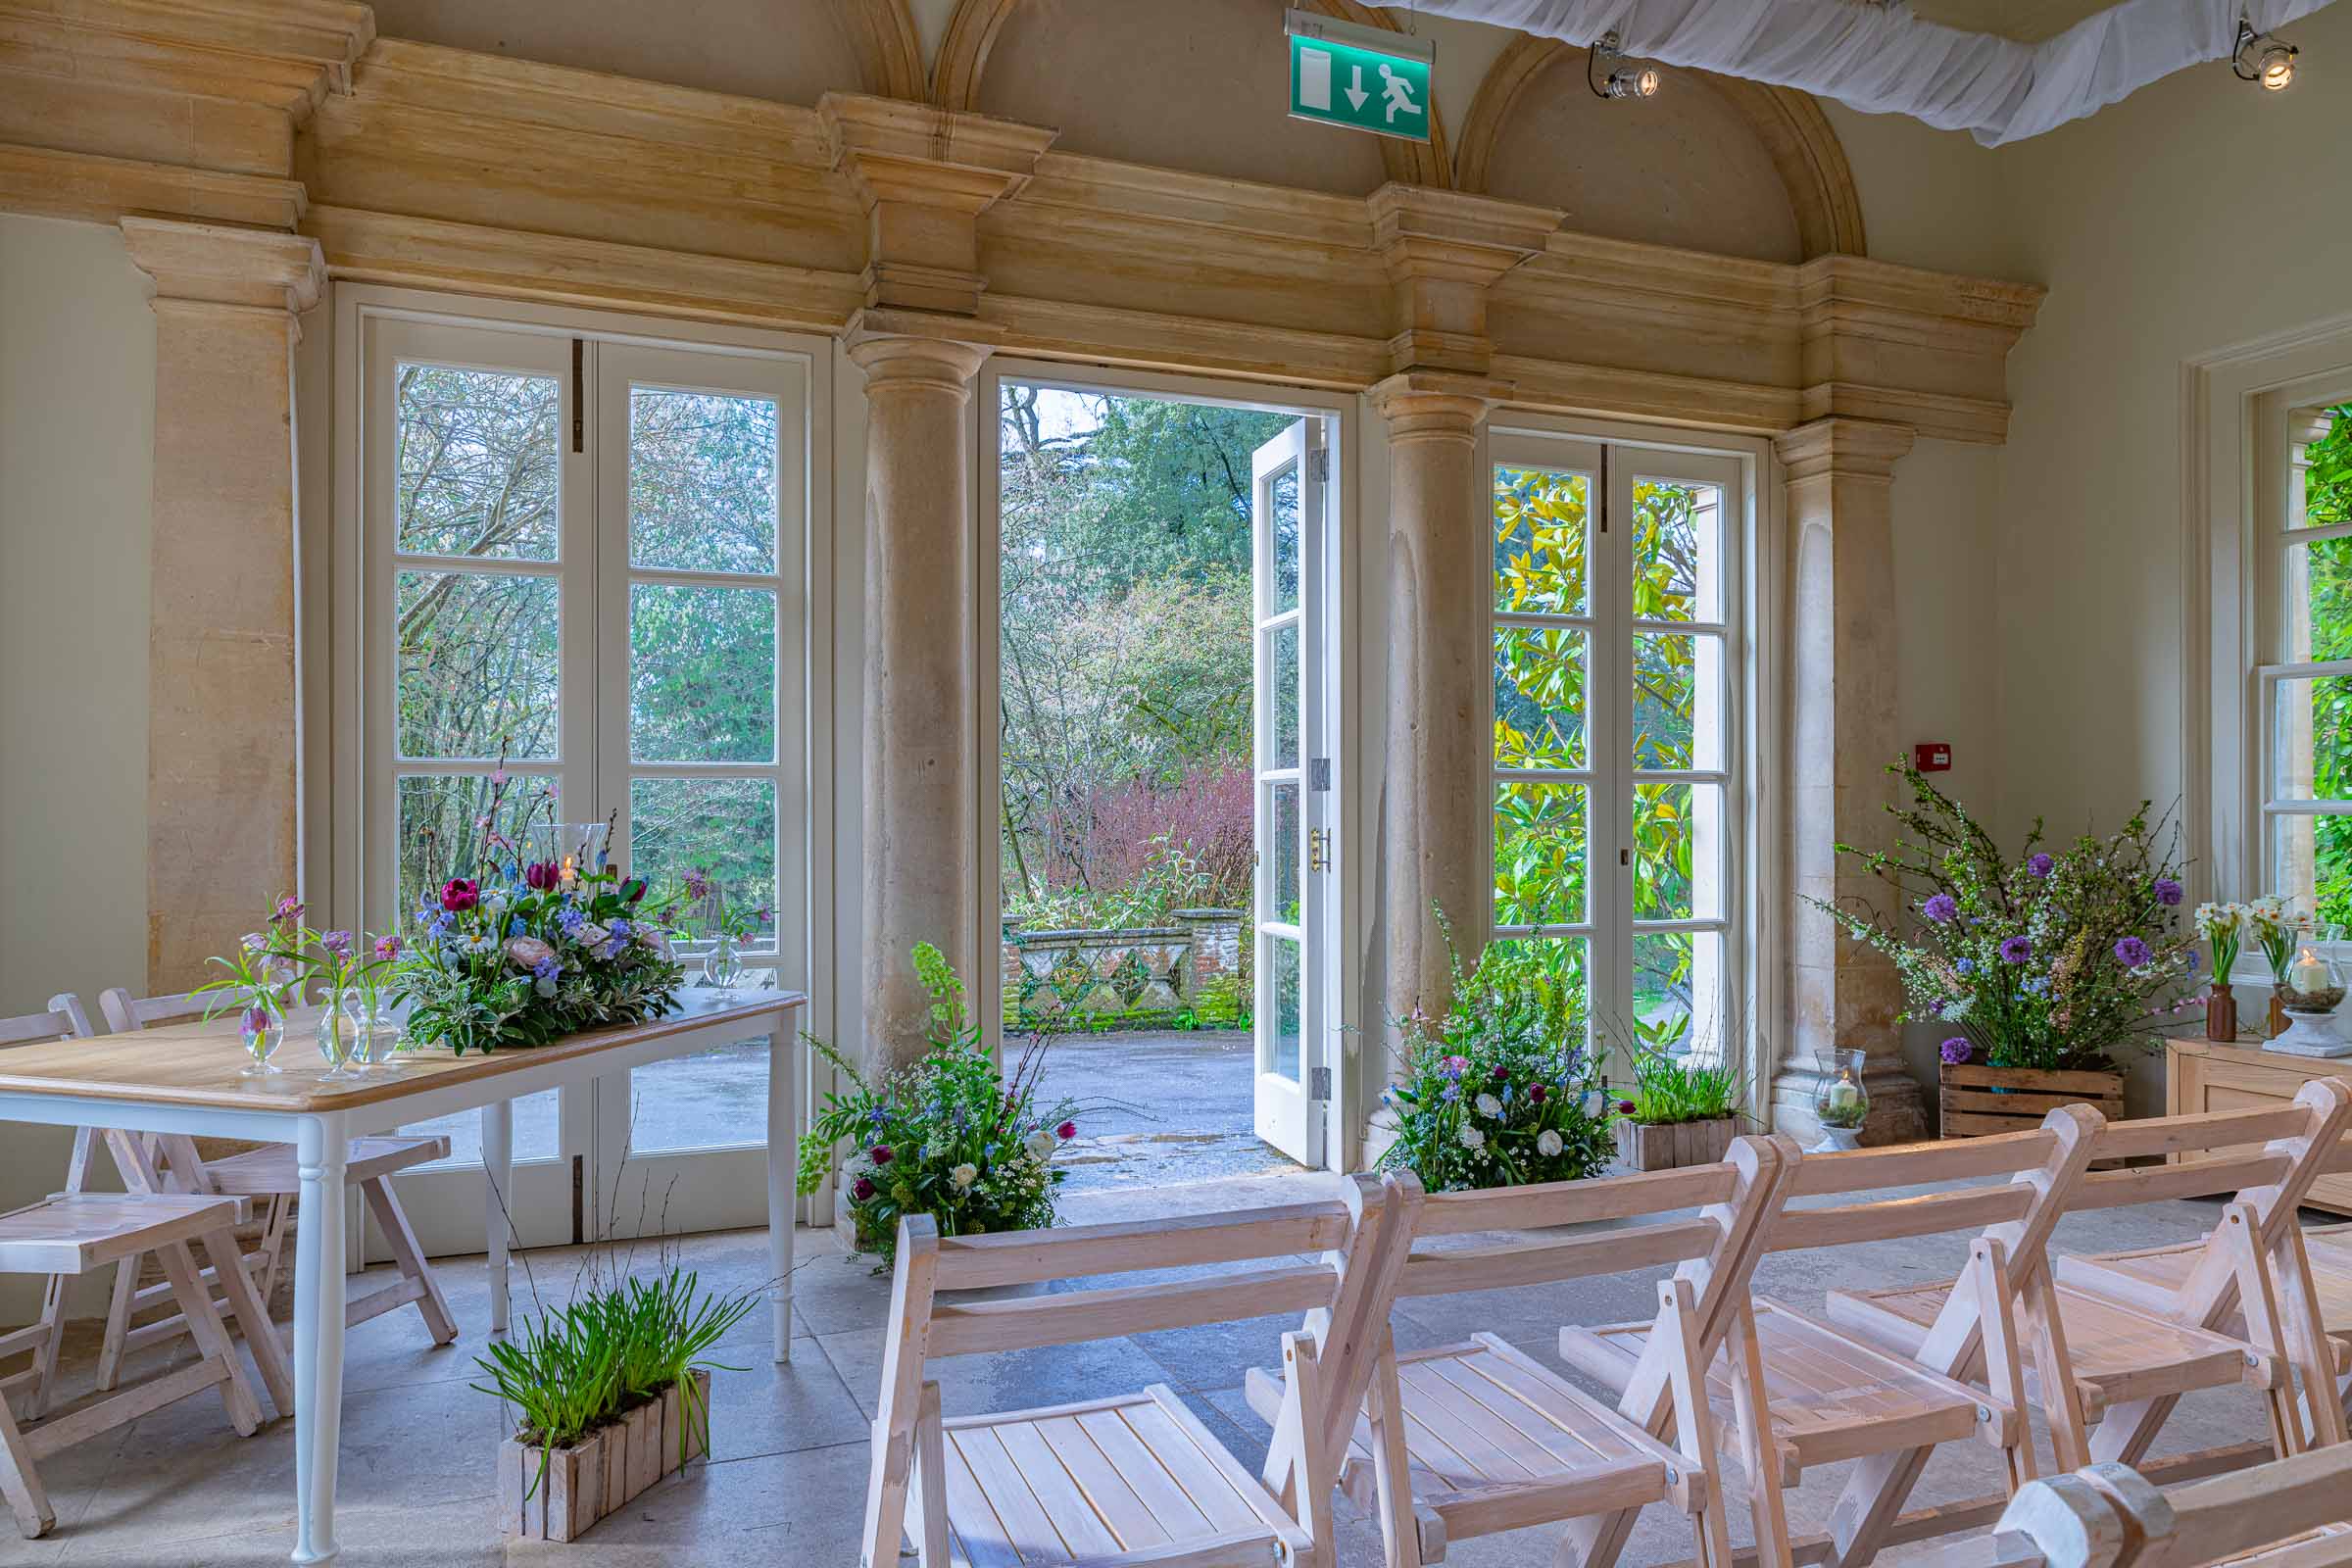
(1442, 250)
(1851, 447)
(220, 264)
(1435, 405)
(916, 350)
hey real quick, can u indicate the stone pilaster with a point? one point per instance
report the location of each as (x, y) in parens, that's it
(1439, 747)
(920, 691)
(223, 806)
(1841, 733)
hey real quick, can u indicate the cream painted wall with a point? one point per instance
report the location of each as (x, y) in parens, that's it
(76, 402)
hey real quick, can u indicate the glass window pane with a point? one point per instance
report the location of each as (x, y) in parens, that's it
(1542, 530)
(1538, 853)
(1540, 685)
(1282, 694)
(2319, 600)
(1677, 700)
(1281, 981)
(474, 464)
(714, 1099)
(701, 675)
(2312, 739)
(476, 666)
(2324, 461)
(1680, 992)
(1284, 808)
(1282, 594)
(722, 827)
(1677, 556)
(702, 482)
(538, 1131)
(1677, 852)
(444, 819)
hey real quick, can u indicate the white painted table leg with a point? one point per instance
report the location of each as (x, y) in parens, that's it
(322, 1145)
(783, 1057)
(498, 1178)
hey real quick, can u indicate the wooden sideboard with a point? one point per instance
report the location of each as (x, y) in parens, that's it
(2210, 1075)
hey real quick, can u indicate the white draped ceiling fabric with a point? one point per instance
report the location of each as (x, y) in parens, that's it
(1884, 61)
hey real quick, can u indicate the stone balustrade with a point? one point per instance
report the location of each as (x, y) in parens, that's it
(1138, 977)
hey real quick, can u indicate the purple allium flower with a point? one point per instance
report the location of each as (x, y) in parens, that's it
(2168, 892)
(1942, 908)
(1955, 1050)
(2132, 952)
(2040, 865)
(2016, 949)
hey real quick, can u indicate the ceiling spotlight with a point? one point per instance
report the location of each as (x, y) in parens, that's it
(2259, 57)
(1624, 82)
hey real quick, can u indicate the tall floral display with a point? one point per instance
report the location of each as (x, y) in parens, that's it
(2055, 960)
(540, 938)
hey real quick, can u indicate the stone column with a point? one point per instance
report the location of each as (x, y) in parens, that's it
(920, 689)
(1438, 748)
(1841, 733)
(222, 813)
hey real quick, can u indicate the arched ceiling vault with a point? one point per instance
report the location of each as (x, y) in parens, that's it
(889, 51)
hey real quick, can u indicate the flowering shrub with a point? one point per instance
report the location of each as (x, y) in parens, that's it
(1500, 1092)
(950, 1136)
(2053, 962)
(520, 954)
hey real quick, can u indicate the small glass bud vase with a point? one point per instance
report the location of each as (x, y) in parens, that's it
(335, 1035)
(261, 1030)
(2310, 994)
(375, 1034)
(1841, 1102)
(722, 965)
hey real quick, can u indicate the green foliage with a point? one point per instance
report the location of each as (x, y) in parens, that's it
(951, 1136)
(1671, 1089)
(1223, 1002)
(1501, 1091)
(2055, 960)
(2328, 573)
(586, 1364)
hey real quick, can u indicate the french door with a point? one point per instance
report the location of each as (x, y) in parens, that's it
(1297, 983)
(582, 555)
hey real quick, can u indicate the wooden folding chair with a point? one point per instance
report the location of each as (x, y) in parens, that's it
(2103, 1361)
(1475, 1438)
(73, 1233)
(2289, 1513)
(266, 1173)
(1799, 1392)
(1137, 1478)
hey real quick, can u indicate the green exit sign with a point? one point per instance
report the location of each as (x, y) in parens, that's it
(1365, 78)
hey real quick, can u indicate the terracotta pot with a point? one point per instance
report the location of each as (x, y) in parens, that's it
(2220, 1013)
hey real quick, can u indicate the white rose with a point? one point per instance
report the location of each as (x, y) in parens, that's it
(1489, 1106)
(1592, 1102)
(1472, 1138)
(964, 1175)
(1547, 1143)
(1041, 1144)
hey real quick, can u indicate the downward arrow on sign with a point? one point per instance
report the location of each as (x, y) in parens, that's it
(1355, 87)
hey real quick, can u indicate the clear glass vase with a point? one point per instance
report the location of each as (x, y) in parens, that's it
(722, 965)
(375, 1033)
(261, 1030)
(335, 1035)
(574, 848)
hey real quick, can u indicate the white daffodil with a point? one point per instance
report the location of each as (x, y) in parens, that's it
(1472, 1138)
(1547, 1143)
(964, 1175)
(1489, 1106)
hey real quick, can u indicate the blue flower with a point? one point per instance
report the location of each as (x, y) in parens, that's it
(2039, 985)
(1965, 965)
(1452, 1093)
(571, 919)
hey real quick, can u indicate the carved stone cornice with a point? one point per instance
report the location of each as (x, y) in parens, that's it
(64, 184)
(924, 176)
(211, 263)
(1443, 251)
(1846, 448)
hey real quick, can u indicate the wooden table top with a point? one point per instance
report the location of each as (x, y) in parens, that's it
(202, 1064)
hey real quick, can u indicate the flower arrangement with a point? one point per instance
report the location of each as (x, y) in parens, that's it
(951, 1136)
(529, 947)
(2222, 927)
(272, 968)
(1500, 1092)
(2054, 961)
(2277, 929)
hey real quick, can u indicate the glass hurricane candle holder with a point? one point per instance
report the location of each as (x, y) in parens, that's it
(574, 848)
(1841, 1102)
(2310, 994)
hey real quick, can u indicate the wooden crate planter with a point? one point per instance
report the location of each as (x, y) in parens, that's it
(1668, 1146)
(1979, 1101)
(600, 1475)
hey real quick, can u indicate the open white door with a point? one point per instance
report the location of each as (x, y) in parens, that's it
(1294, 794)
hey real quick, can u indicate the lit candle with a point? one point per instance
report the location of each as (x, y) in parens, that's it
(569, 872)
(2308, 974)
(1843, 1096)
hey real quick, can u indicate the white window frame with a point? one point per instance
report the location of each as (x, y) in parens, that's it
(352, 825)
(1748, 531)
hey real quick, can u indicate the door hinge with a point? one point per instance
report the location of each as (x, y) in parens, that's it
(1318, 773)
(1318, 465)
(1318, 1084)
(579, 381)
(1318, 849)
